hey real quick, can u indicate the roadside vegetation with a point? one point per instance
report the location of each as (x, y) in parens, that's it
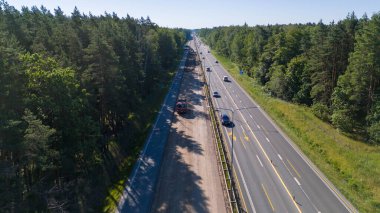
(78, 95)
(334, 68)
(353, 166)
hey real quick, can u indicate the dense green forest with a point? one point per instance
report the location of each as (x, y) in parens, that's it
(334, 68)
(69, 87)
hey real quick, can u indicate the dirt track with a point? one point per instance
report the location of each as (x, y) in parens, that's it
(189, 180)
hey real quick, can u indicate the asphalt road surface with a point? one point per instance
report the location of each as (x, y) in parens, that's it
(139, 190)
(189, 180)
(273, 174)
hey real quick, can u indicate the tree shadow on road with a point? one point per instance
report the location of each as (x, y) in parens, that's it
(179, 188)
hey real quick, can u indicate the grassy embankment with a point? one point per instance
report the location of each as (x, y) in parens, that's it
(125, 161)
(352, 166)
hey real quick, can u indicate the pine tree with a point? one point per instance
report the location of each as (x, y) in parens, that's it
(357, 91)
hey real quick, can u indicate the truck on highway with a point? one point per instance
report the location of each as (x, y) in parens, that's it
(181, 105)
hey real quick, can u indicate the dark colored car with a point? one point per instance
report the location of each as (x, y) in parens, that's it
(225, 119)
(216, 94)
(216, 61)
(208, 69)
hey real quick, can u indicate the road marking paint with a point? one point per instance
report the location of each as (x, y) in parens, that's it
(265, 154)
(240, 192)
(299, 184)
(250, 116)
(241, 140)
(245, 135)
(279, 156)
(267, 139)
(243, 179)
(293, 168)
(259, 161)
(270, 202)
(275, 170)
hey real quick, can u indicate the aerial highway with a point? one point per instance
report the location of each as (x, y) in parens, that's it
(273, 174)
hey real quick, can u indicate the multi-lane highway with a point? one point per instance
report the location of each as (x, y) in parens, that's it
(273, 175)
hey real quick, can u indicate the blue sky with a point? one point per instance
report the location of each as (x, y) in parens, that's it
(208, 13)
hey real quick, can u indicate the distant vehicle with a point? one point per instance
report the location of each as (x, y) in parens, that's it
(208, 69)
(181, 106)
(215, 94)
(203, 57)
(225, 119)
(200, 53)
(225, 78)
(216, 61)
(208, 51)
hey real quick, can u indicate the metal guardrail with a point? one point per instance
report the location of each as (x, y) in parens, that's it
(229, 182)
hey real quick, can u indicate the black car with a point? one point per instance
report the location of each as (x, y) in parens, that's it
(216, 94)
(225, 119)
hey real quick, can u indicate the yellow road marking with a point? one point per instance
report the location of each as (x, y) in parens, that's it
(241, 140)
(238, 182)
(230, 134)
(266, 194)
(282, 182)
(278, 175)
(240, 192)
(245, 135)
(294, 168)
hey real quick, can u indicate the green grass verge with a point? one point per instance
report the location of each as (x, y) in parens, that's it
(351, 165)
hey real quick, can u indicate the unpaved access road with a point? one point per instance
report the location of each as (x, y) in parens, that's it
(189, 179)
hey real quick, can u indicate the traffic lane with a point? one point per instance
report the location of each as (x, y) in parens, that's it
(309, 194)
(319, 193)
(259, 183)
(243, 184)
(287, 176)
(302, 194)
(270, 128)
(289, 180)
(273, 187)
(138, 193)
(271, 184)
(313, 185)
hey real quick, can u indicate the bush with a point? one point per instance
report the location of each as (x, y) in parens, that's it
(321, 111)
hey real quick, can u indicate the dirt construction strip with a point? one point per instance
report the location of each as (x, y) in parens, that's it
(189, 179)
